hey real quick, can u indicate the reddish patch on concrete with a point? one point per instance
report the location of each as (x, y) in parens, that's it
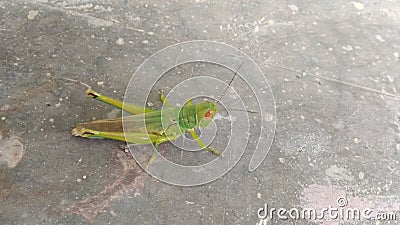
(132, 179)
(322, 196)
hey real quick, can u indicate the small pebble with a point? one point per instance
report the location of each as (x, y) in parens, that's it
(78, 180)
(268, 117)
(145, 42)
(348, 48)
(32, 14)
(294, 8)
(361, 175)
(390, 78)
(120, 41)
(113, 213)
(3, 118)
(5, 107)
(379, 38)
(358, 5)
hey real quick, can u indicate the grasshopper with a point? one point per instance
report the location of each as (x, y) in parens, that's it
(159, 126)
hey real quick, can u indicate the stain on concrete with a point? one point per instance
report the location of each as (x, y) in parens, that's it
(132, 179)
(11, 151)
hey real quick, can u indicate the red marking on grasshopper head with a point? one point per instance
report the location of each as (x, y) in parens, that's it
(209, 114)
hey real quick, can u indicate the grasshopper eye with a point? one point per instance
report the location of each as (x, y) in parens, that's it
(208, 114)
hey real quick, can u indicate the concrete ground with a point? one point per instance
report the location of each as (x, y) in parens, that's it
(333, 67)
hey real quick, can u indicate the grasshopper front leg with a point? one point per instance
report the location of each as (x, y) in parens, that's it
(202, 145)
(162, 97)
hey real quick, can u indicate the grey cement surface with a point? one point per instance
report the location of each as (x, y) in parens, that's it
(333, 67)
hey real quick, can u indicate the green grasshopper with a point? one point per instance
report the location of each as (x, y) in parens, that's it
(159, 126)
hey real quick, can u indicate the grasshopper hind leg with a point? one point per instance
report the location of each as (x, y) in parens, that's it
(157, 142)
(128, 107)
(153, 156)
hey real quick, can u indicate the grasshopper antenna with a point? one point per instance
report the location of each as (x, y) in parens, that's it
(50, 74)
(226, 89)
(230, 82)
(244, 110)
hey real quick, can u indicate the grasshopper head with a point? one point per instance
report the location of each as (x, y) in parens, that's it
(205, 113)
